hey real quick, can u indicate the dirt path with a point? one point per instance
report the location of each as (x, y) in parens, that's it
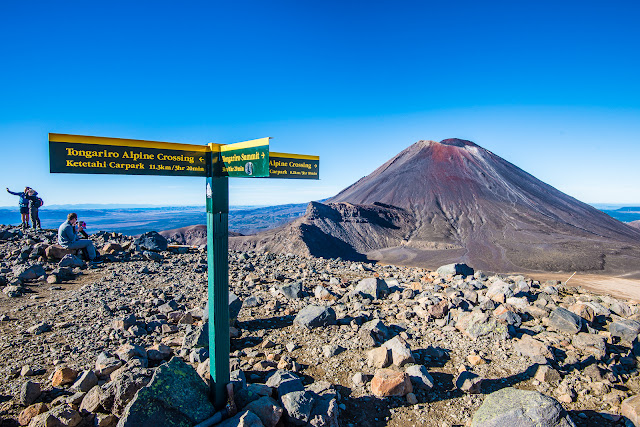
(611, 285)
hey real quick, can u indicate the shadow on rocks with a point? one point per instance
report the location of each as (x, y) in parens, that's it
(367, 411)
(593, 418)
(434, 357)
(276, 322)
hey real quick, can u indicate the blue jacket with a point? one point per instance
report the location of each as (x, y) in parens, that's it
(66, 234)
(24, 198)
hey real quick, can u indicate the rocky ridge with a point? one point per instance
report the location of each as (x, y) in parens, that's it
(317, 341)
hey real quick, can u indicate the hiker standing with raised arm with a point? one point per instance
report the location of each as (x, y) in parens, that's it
(24, 205)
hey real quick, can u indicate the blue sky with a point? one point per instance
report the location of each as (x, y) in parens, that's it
(552, 87)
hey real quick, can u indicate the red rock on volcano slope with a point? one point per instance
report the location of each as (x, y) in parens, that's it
(468, 204)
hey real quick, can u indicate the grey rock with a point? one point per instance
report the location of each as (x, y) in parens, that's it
(238, 379)
(562, 320)
(30, 273)
(298, 405)
(198, 355)
(625, 329)
(374, 333)
(71, 261)
(400, 351)
(331, 350)
(513, 407)
(152, 241)
(63, 273)
(477, 324)
(29, 393)
(420, 377)
(285, 382)
(469, 382)
(510, 318)
(85, 381)
(314, 316)
(373, 288)
(455, 269)
(591, 343)
(176, 396)
(267, 410)
(152, 256)
(40, 328)
(196, 337)
(124, 387)
(291, 290)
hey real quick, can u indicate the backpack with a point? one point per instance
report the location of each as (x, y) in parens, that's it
(38, 202)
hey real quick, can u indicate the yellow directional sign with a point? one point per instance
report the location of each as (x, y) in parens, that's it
(294, 166)
(99, 155)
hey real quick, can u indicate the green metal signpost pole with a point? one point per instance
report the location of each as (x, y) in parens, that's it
(218, 278)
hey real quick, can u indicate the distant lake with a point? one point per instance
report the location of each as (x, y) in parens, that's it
(134, 221)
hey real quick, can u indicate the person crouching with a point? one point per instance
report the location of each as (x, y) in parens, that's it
(68, 237)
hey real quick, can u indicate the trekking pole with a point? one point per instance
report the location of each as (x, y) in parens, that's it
(574, 273)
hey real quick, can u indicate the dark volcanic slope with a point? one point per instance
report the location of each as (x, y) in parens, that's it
(470, 205)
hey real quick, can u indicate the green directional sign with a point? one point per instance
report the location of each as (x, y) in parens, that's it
(294, 166)
(249, 159)
(98, 155)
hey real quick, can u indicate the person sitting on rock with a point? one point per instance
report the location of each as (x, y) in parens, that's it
(68, 237)
(24, 205)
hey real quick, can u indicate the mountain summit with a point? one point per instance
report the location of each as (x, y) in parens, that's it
(454, 201)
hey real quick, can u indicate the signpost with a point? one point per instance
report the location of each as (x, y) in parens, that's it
(216, 162)
(97, 155)
(296, 166)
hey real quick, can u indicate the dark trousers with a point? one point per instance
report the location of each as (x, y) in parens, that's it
(35, 219)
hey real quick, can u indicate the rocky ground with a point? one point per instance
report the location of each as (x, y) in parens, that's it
(319, 342)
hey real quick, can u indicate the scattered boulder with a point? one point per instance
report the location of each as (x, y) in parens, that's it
(29, 392)
(176, 395)
(298, 405)
(58, 252)
(625, 329)
(30, 273)
(291, 290)
(71, 261)
(372, 287)
(315, 316)
(562, 320)
(454, 270)
(400, 351)
(25, 417)
(387, 382)
(267, 410)
(63, 376)
(512, 407)
(420, 377)
(469, 382)
(152, 241)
